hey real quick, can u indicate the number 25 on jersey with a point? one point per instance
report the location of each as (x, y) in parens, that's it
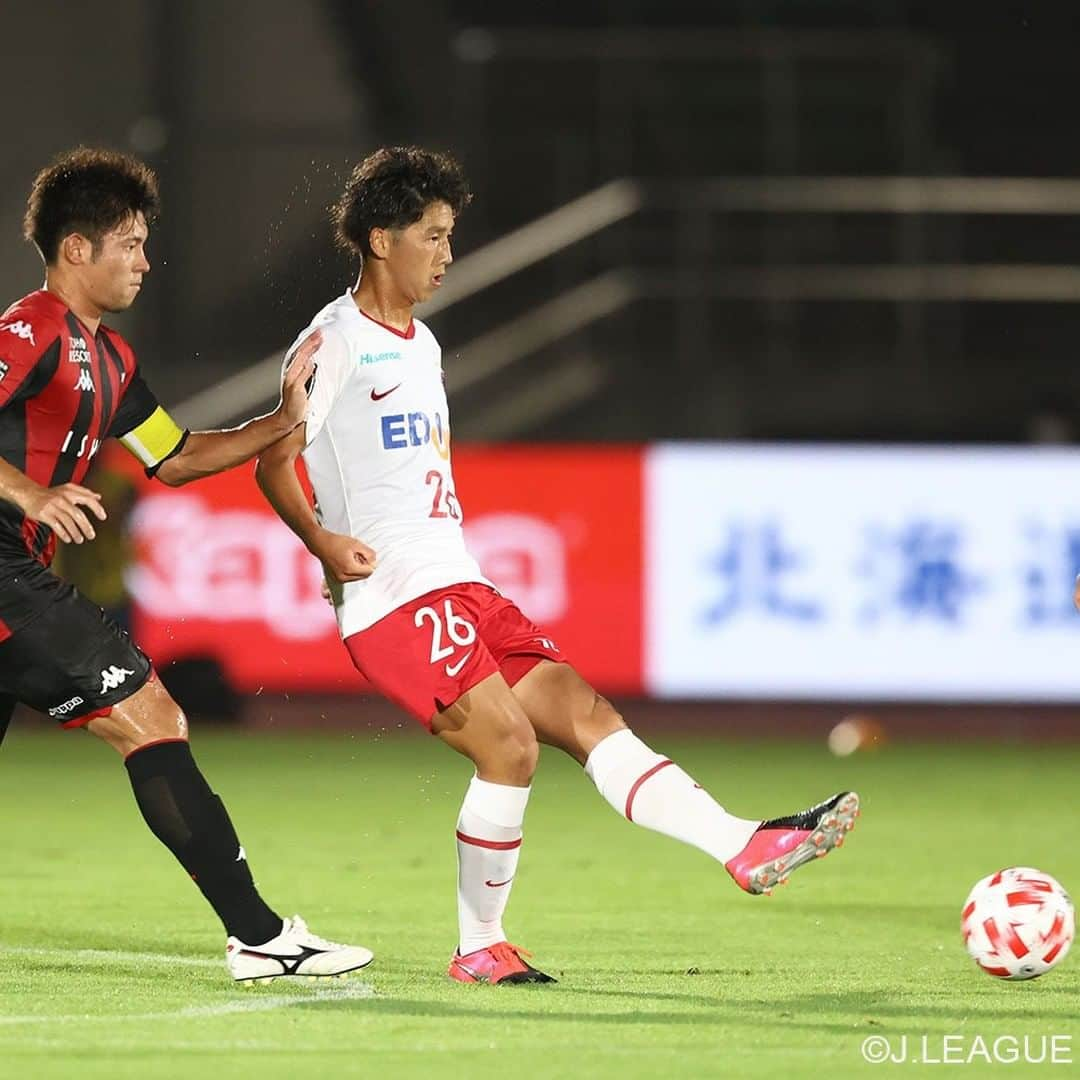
(444, 502)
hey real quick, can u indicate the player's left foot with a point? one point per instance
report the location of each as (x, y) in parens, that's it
(502, 963)
(784, 844)
(296, 952)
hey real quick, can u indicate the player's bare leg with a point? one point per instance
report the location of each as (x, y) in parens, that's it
(150, 730)
(651, 790)
(488, 726)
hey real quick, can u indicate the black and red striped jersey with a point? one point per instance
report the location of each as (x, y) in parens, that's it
(63, 391)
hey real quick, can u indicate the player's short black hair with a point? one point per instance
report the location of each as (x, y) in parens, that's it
(89, 192)
(391, 189)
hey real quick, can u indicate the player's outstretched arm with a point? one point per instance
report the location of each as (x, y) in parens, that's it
(208, 452)
(344, 558)
(61, 508)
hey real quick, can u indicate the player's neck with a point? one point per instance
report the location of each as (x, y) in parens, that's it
(383, 303)
(68, 291)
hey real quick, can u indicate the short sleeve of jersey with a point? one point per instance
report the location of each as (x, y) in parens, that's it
(332, 369)
(144, 428)
(21, 353)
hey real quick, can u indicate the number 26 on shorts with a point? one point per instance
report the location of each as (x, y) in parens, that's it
(459, 630)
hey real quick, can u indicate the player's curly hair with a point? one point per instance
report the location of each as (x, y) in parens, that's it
(391, 189)
(89, 192)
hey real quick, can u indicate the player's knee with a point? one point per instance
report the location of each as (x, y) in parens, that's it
(149, 715)
(513, 754)
(604, 720)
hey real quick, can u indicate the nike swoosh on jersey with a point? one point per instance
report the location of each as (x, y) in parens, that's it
(385, 393)
(453, 669)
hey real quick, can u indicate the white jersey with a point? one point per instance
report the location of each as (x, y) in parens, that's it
(378, 457)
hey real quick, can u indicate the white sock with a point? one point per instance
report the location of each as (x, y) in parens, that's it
(650, 790)
(488, 846)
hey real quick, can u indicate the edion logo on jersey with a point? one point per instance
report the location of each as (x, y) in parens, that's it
(402, 430)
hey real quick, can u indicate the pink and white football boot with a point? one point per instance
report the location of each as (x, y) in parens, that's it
(501, 963)
(784, 844)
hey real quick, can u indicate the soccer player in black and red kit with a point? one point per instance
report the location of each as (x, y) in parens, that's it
(67, 383)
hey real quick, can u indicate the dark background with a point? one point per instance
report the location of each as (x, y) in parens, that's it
(253, 112)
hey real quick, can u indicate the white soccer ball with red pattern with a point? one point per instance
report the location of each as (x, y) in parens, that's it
(1018, 923)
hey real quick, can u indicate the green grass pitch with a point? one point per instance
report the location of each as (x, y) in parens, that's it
(111, 965)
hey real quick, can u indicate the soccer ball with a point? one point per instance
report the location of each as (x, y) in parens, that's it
(1018, 923)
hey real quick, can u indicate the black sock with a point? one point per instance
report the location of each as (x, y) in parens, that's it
(191, 821)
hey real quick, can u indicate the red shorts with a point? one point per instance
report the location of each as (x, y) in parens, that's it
(425, 654)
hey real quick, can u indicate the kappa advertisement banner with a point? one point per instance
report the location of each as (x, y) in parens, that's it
(558, 530)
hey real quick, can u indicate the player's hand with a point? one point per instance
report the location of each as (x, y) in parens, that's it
(344, 558)
(62, 509)
(325, 592)
(294, 391)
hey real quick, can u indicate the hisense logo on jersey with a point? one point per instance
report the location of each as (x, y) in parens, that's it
(402, 430)
(378, 357)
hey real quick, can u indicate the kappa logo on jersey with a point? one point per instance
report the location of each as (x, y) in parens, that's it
(113, 676)
(401, 430)
(78, 353)
(63, 710)
(84, 381)
(21, 330)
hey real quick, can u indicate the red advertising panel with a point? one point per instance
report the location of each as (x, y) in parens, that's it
(216, 574)
(558, 529)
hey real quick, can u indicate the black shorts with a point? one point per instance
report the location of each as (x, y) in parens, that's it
(63, 655)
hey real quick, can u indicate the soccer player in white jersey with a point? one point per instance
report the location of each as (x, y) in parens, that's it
(417, 616)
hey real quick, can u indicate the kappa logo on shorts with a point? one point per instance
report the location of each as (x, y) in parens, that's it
(63, 710)
(112, 677)
(4, 369)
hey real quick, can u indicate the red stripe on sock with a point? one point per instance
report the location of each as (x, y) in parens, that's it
(638, 782)
(495, 845)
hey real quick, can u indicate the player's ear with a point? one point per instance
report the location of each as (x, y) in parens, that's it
(76, 249)
(379, 242)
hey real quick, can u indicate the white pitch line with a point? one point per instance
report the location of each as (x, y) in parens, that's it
(105, 956)
(256, 1003)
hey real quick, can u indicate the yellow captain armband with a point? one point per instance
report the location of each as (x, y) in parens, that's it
(155, 440)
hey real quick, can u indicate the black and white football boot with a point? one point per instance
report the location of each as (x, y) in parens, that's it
(295, 952)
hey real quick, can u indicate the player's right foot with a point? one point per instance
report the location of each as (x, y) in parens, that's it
(502, 963)
(781, 845)
(294, 952)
